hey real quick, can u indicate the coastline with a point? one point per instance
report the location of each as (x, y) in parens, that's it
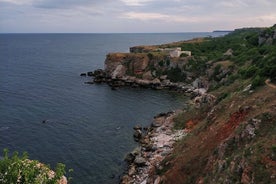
(156, 142)
(228, 117)
(154, 145)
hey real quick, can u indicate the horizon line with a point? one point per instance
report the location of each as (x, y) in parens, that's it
(115, 32)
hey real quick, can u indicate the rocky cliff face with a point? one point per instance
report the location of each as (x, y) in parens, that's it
(268, 36)
(151, 62)
(230, 142)
(148, 66)
(118, 65)
(231, 129)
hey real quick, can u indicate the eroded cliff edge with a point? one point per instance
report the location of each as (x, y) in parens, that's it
(231, 137)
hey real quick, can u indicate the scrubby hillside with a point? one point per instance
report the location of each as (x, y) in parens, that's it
(233, 139)
(245, 54)
(231, 129)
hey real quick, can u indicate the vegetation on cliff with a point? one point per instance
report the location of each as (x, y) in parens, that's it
(243, 54)
(232, 139)
(231, 129)
(19, 169)
(251, 51)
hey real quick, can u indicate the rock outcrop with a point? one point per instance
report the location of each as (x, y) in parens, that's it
(268, 36)
(231, 131)
(154, 146)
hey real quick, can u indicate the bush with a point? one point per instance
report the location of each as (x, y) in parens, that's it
(176, 75)
(248, 72)
(150, 56)
(221, 97)
(168, 62)
(184, 55)
(19, 169)
(217, 71)
(161, 63)
(257, 81)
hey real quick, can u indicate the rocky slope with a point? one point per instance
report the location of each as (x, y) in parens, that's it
(230, 141)
(230, 128)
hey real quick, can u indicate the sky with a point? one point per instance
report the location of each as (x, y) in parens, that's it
(133, 16)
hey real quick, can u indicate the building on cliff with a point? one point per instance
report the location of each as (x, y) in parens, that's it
(176, 52)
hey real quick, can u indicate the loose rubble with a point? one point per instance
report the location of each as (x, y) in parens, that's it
(154, 145)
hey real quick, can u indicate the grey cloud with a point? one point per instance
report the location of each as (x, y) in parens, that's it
(61, 4)
(122, 15)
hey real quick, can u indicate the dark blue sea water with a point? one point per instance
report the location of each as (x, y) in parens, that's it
(88, 127)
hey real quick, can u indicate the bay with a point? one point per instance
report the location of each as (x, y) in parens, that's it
(88, 127)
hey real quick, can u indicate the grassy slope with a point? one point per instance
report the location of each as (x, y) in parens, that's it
(233, 140)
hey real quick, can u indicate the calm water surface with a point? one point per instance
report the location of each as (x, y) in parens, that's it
(88, 127)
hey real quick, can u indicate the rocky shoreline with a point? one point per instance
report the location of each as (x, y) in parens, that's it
(196, 88)
(225, 142)
(155, 143)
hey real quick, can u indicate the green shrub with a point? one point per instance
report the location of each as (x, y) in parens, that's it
(257, 81)
(168, 62)
(248, 72)
(150, 56)
(19, 169)
(161, 63)
(217, 69)
(176, 75)
(253, 39)
(221, 97)
(184, 55)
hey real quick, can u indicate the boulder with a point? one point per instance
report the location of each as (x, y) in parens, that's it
(229, 52)
(157, 180)
(147, 75)
(205, 99)
(197, 83)
(156, 124)
(125, 179)
(98, 80)
(156, 81)
(137, 127)
(99, 72)
(200, 91)
(129, 158)
(142, 82)
(163, 77)
(90, 74)
(137, 135)
(140, 161)
(247, 88)
(83, 74)
(132, 170)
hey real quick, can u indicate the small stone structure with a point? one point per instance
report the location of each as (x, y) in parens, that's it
(176, 52)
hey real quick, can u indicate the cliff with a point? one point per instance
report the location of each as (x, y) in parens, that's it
(150, 62)
(230, 125)
(231, 140)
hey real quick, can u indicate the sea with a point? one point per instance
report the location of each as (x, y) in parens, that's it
(47, 110)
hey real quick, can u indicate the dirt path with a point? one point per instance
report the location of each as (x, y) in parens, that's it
(267, 82)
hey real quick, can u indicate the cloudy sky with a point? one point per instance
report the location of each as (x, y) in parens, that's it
(104, 16)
